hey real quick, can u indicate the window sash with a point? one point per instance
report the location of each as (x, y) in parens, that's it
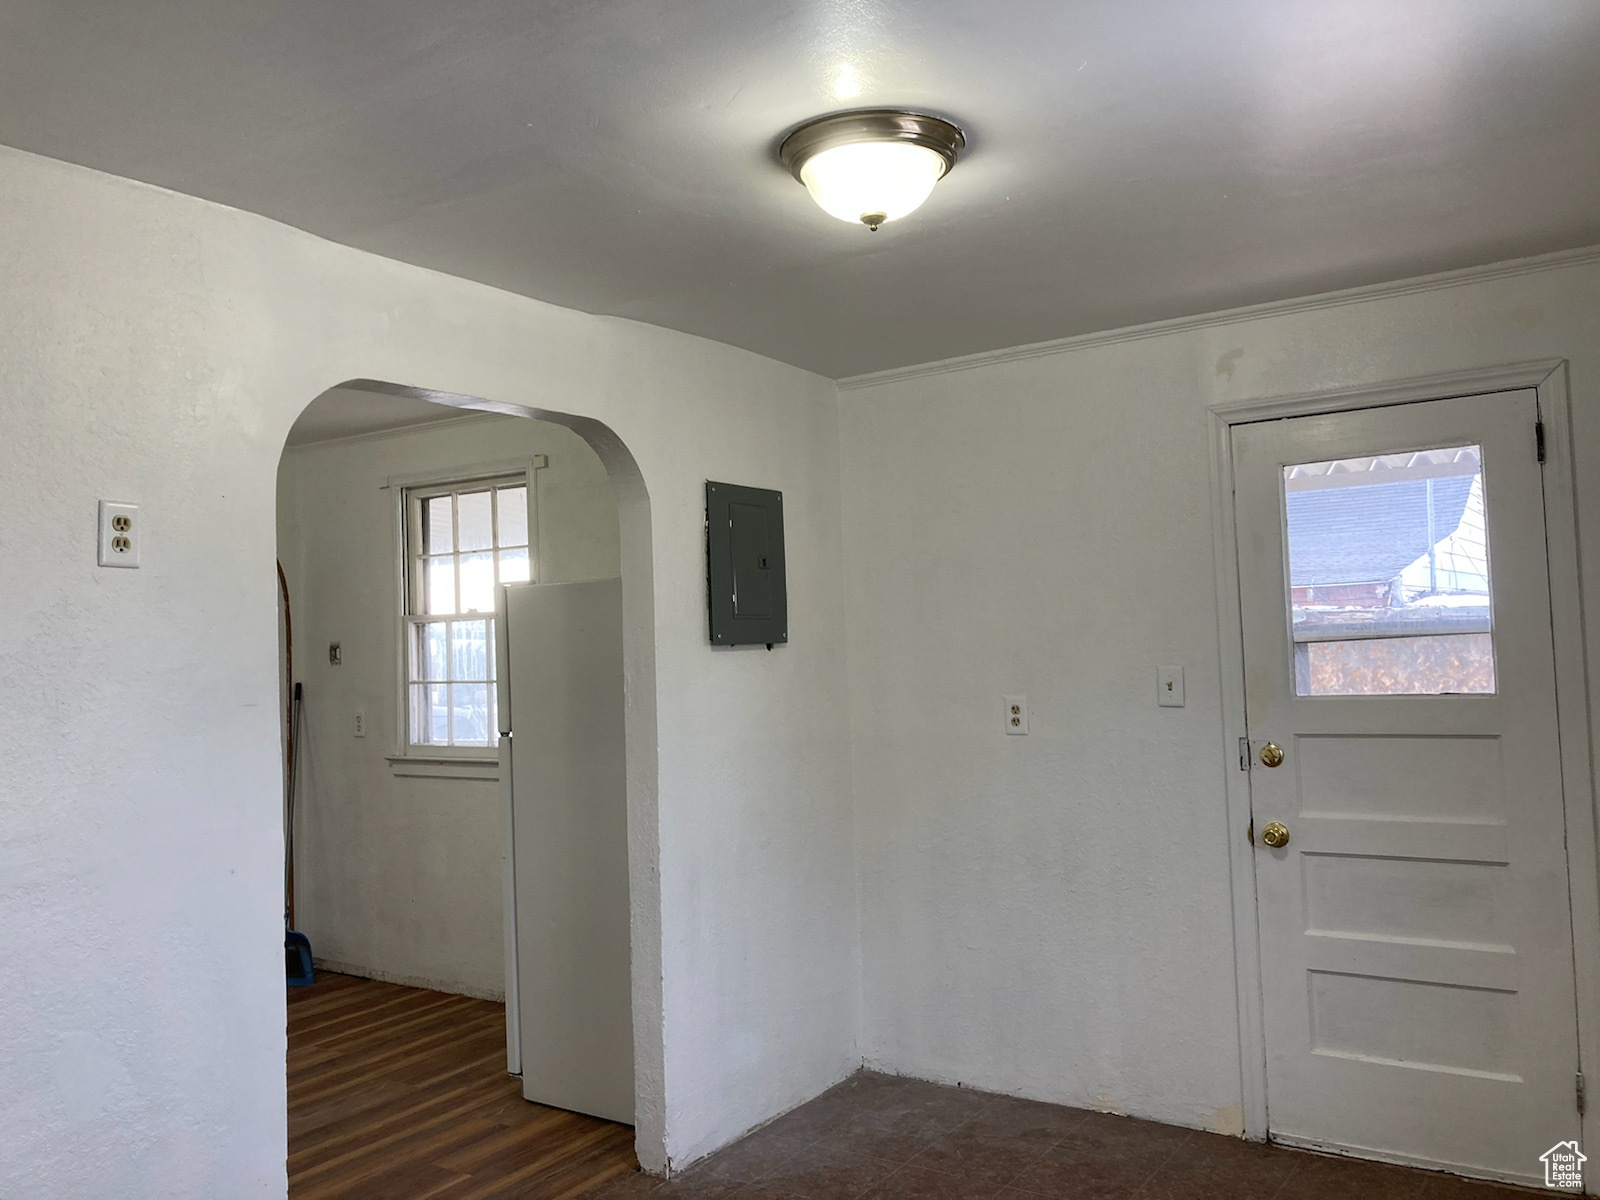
(419, 556)
(450, 691)
(447, 669)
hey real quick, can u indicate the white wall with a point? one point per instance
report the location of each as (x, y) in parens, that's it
(1050, 915)
(400, 877)
(156, 348)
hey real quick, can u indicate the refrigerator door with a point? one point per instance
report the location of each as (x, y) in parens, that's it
(509, 859)
(569, 813)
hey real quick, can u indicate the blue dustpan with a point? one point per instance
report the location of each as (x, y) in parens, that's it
(297, 959)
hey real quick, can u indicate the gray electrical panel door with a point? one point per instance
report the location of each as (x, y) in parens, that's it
(744, 565)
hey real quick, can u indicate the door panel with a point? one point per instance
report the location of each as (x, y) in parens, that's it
(1415, 929)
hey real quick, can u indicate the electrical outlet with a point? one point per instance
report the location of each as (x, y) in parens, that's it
(1016, 709)
(360, 723)
(120, 528)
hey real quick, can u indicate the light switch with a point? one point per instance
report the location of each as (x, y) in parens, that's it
(1016, 712)
(1169, 687)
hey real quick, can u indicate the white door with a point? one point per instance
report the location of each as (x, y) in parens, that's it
(1415, 929)
(562, 679)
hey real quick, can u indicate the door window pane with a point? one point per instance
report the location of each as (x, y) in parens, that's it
(1389, 590)
(1448, 663)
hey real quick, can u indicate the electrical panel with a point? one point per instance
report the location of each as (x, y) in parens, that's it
(744, 566)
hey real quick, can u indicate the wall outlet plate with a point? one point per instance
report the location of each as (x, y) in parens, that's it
(1016, 715)
(120, 528)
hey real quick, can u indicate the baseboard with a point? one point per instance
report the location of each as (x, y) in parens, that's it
(452, 986)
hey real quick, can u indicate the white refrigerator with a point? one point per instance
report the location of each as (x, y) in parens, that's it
(569, 1010)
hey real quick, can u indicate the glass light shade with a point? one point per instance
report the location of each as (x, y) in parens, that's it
(861, 178)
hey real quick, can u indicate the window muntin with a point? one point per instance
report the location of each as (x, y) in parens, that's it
(1389, 590)
(461, 539)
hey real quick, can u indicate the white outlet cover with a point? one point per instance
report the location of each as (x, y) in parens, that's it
(1016, 716)
(360, 729)
(1169, 687)
(120, 529)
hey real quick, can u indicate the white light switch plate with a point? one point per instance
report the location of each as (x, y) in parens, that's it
(1016, 715)
(1169, 687)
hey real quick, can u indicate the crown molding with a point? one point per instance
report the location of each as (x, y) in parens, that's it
(1559, 260)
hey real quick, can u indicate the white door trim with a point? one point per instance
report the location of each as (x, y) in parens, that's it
(1549, 379)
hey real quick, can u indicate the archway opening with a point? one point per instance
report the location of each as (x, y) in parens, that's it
(401, 812)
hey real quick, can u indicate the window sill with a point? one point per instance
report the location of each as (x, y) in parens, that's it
(415, 767)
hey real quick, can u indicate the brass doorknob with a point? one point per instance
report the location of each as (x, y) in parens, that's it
(1271, 754)
(1275, 835)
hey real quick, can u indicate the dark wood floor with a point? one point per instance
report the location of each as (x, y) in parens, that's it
(397, 1093)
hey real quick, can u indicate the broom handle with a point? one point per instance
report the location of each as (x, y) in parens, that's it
(294, 771)
(291, 714)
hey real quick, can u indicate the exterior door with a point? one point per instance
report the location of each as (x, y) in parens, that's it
(1415, 926)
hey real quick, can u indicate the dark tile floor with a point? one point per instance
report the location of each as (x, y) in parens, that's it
(877, 1137)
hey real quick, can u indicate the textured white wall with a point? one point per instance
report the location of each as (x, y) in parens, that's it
(1050, 915)
(399, 877)
(156, 348)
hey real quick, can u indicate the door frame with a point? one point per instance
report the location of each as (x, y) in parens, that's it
(1548, 379)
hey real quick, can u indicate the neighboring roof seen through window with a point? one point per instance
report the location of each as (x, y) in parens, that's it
(1370, 533)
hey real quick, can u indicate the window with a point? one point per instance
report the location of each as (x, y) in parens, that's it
(461, 540)
(1389, 575)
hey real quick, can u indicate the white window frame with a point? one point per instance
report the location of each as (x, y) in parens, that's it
(471, 762)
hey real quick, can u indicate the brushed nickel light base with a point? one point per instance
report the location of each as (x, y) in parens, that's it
(872, 125)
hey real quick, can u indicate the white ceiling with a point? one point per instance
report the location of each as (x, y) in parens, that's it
(1129, 159)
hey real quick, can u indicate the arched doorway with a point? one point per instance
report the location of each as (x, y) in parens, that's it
(473, 424)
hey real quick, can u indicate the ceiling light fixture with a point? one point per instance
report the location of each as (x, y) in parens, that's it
(872, 165)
